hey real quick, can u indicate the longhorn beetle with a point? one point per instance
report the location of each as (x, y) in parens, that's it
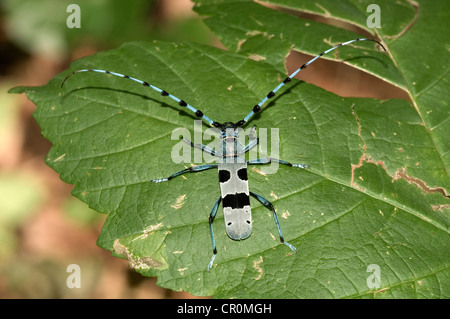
(232, 165)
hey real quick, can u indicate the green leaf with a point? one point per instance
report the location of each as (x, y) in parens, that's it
(376, 192)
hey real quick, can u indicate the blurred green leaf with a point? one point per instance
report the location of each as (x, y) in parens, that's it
(20, 197)
(40, 27)
(376, 191)
(78, 211)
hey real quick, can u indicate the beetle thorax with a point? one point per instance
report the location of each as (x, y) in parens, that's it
(231, 146)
